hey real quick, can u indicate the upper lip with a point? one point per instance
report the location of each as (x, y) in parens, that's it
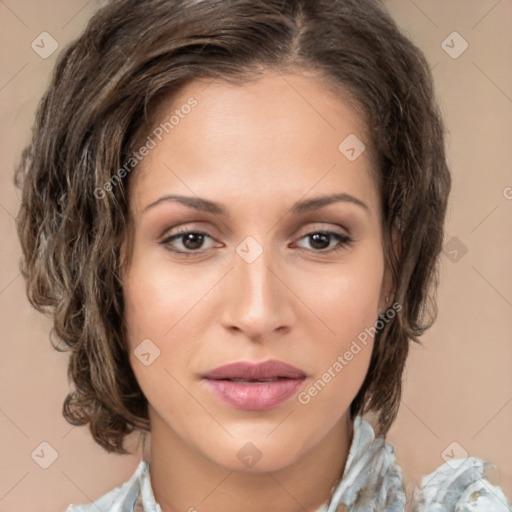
(255, 371)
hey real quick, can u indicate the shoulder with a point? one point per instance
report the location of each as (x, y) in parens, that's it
(118, 499)
(460, 486)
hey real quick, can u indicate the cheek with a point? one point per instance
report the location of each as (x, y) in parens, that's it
(157, 299)
(155, 312)
(347, 300)
(164, 306)
(348, 308)
(343, 354)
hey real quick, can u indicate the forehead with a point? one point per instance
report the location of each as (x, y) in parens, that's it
(282, 131)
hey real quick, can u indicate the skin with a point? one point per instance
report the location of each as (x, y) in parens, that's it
(256, 148)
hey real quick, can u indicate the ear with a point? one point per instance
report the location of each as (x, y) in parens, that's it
(388, 286)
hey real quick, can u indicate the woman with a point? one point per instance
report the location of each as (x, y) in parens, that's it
(234, 211)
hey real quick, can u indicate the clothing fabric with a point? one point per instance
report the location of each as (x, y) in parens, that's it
(371, 482)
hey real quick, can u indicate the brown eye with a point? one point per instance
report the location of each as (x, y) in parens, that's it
(320, 240)
(191, 241)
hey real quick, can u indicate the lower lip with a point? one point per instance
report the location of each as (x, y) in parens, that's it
(254, 396)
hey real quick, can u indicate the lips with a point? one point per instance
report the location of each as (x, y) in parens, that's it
(254, 387)
(267, 371)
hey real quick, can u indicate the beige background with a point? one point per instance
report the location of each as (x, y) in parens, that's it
(458, 385)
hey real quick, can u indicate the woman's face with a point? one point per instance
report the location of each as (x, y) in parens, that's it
(265, 272)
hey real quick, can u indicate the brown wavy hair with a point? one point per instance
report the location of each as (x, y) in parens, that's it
(135, 52)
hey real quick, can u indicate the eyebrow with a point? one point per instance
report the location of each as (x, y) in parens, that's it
(205, 205)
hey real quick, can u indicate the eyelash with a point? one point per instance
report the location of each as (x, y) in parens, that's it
(343, 241)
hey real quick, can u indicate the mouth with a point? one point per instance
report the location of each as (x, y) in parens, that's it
(254, 387)
(250, 381)
(246, 371)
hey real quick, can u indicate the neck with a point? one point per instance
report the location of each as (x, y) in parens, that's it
(183, 479)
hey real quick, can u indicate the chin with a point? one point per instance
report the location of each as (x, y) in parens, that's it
(268, 463)
(255, 454)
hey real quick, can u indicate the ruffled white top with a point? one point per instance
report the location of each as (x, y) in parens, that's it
(371, 482)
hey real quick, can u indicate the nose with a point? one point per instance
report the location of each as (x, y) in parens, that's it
(259, 302)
